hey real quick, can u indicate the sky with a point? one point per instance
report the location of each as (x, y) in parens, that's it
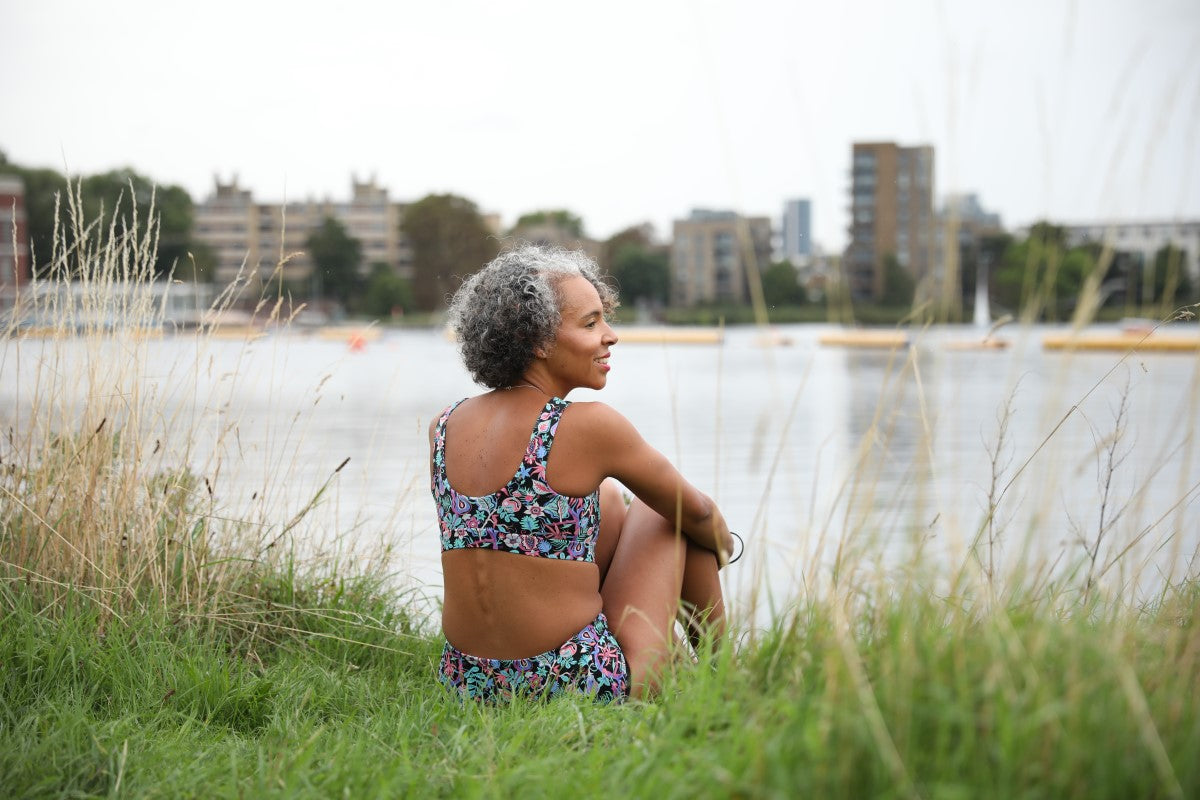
(620, 112)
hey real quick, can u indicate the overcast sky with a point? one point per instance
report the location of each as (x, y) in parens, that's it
(622, 112)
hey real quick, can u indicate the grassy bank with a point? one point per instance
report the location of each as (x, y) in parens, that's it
(156, 641)
(897, 695)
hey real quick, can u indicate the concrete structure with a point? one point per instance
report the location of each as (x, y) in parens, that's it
(14, 234)
(891, 213)
(797, 231)
(714, 254)
(1141, 239)
(255, 238)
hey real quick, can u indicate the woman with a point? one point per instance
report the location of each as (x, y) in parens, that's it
(584, 592)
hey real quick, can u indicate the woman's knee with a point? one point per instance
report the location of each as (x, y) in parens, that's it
(612, 498)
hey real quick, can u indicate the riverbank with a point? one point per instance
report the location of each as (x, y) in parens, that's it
(173, 624)
(326, 690)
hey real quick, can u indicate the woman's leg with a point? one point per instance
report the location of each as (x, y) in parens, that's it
(651, 569)
(704, 603)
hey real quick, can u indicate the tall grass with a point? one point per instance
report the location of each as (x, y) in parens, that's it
(153, 644)
(110, 465)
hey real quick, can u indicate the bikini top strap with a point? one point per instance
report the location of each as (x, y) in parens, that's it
(439, 437)
(544, 429)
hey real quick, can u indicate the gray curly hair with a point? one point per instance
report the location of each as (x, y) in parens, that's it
(504, 312)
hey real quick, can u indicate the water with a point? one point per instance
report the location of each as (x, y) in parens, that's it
(811, 451)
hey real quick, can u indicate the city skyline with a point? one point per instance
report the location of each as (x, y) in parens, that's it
(1065, 111)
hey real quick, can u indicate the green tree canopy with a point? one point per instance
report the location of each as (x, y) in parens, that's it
(336, 256)
(638, 236)
(1040, 276)
(898, 283)
(449, 241)
(42, 186)
(560, 218)
(122, 192)
(781, 285)
(105, 196)
(641, 273)
(386, 292)
(1170, 280)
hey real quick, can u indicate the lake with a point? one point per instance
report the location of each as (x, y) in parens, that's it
(814, 453)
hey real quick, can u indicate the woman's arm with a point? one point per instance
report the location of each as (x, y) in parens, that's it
(619, 451)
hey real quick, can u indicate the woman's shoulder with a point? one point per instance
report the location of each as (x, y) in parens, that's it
(442, 414)
(595, 418)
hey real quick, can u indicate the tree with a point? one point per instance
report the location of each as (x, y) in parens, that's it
(1039, 275)
(335, 256)
(42, 187)
(1170, 280)
(898, 284)
(638, 236)
(120, 193)
(560, 218)
(386, 292)
(198, 265)
(642, 273)
(107, 196)
(449, 241)
(781, 285)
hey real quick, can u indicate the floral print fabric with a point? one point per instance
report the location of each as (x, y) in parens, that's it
(526, 517)
(590, 662)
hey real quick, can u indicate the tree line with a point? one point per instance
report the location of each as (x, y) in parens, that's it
(1039, 276)
(447, 234)
(1043, 277)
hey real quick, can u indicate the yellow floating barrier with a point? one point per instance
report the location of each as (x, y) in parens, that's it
(880, 339)
(44, 332)
(665, 335)
(349, 333)
(247, 332)
(1122, 342)
(977, 344)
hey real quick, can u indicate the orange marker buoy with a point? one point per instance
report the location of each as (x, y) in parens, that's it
(357, 343)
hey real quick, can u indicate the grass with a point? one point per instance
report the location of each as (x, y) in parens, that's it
(152, 645)
(903, 695)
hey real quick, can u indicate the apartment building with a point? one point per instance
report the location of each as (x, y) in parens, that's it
(14, 234)
(254, 238)
(227, 221)
(1143, 240)
(714, 254)
(891, 213)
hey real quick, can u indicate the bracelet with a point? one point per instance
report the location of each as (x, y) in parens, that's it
(741, 549)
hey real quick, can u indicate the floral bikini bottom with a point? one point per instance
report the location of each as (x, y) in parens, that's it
(590, 662)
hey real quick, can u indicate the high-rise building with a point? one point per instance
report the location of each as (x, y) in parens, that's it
(14, 234)
(797, 231)
(891, 214)
(714, 254)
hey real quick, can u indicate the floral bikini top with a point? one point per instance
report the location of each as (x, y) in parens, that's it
(526, 517)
